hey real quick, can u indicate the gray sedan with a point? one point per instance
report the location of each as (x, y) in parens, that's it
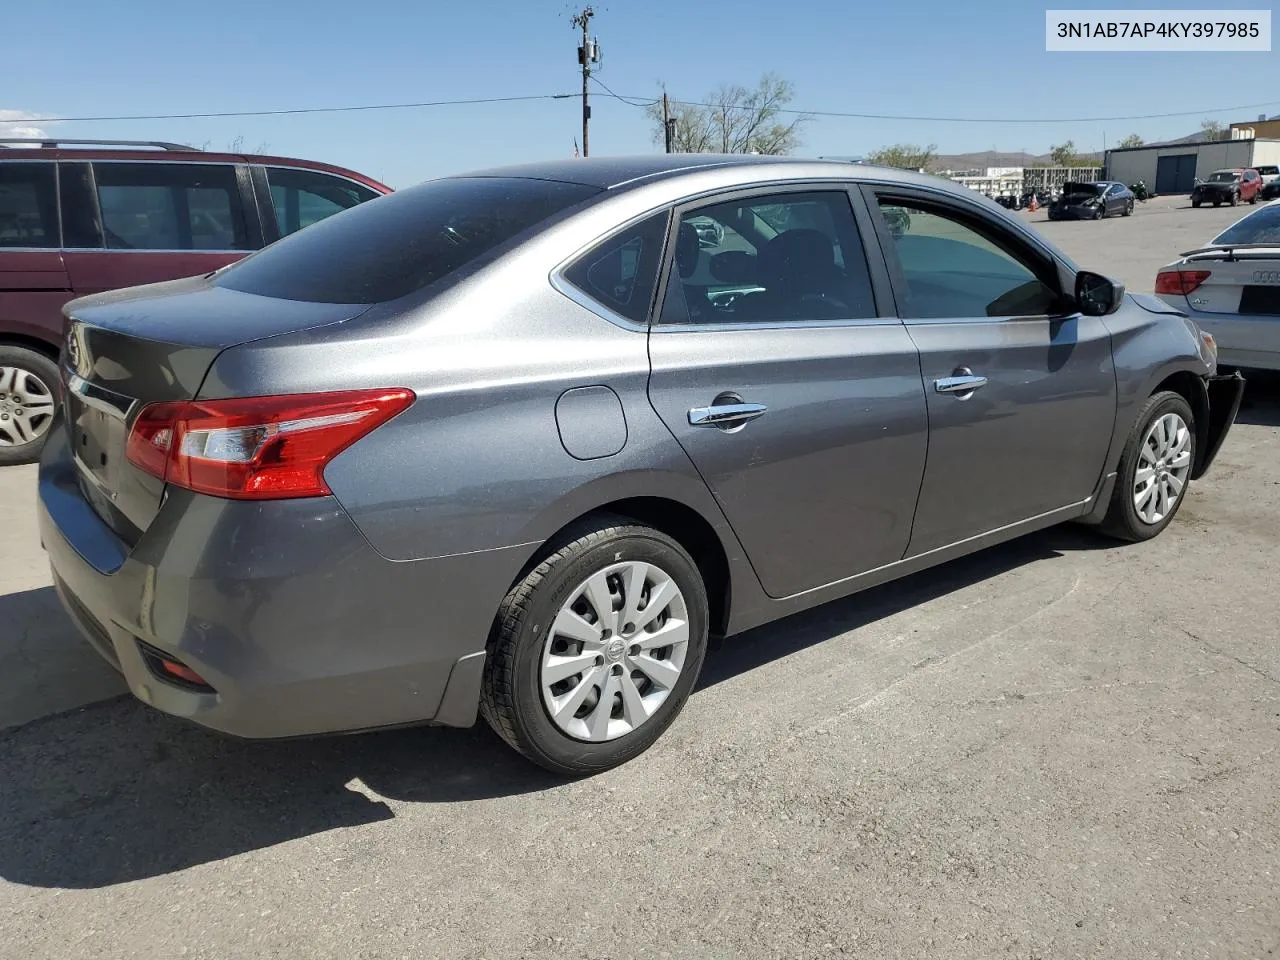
(519, 442)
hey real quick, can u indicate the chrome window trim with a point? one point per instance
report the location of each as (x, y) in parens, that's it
(246, 251)
(268, 167)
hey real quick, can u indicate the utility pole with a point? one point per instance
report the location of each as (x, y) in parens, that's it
(588, 54)
(668, 122)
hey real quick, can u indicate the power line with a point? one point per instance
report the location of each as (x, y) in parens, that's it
(281, 113)
(640, 102)
(896, 116)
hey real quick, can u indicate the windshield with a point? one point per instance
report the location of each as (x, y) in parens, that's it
(1223, 176)
(1268, 171)
(1081, 189)
(1260, 227)
(389, 247)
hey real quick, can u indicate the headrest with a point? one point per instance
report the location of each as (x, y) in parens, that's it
(687, 250)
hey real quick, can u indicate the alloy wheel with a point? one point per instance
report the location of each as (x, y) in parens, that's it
(27, 407)
(614, 652)
(1164, 463)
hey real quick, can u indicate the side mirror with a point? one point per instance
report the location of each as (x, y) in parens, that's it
(1096, 295)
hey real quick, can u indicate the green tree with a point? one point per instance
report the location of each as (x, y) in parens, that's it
(904, 156)
(1063, 154)
(1132, 140)
(734, 119)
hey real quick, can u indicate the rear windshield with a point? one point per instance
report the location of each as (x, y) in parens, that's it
(1260, 227)
(390, 247)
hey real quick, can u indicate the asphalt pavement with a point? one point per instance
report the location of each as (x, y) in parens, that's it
(1060, 747)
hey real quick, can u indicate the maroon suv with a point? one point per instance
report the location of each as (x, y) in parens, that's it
(79, 217)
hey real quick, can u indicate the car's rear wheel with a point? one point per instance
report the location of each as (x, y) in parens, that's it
(594, 653)
(28, 401)
(1195, 203)
(1235, 199)
(1155, 469)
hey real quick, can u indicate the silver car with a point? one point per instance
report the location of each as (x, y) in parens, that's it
(520, 442)
(1231, 288)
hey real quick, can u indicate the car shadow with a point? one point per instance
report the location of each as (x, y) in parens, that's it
(116, 792)
(1261, 403)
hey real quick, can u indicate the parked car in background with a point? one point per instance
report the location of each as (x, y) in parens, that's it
(1270, 173)
(1231, 288)
(1092, 201)
(502, 442)
(1227, 186)
(1271, 191)
(80, 217)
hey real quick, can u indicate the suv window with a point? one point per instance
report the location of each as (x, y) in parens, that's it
(399, 243)
(954, 269)
(781, 257)
(622, 271)
(1268, 171)
(28, 205)
(170, 206)
(303, 197)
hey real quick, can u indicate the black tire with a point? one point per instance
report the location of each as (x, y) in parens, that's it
(1253, 200)
(1196, 204)
(511, 696)
(1099, 213)
(1235, 199)
(38, 365)
(1128, 208)
(1122, 520)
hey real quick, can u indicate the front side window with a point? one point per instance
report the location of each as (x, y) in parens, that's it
(400, 243)
(778, 258)
(954, 268)
(622, 271)
(170, 206)
(28, 205)
(303, 197)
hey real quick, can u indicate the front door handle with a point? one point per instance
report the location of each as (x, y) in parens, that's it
(726, 414)
(959, 384)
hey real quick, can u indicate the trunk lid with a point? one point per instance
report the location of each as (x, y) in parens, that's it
(128, 348)
(1238, 282)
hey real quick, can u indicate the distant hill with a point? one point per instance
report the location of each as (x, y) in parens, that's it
(996, 158)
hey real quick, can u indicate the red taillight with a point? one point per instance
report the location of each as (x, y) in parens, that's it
(257, 448)
(1180, 281)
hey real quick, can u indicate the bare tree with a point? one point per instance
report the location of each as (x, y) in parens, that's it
(734, 119)
(905, 156)
(1214, 130)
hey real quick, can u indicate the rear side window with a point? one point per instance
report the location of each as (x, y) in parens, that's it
(1260, 227)
(170, 206)
(622, 271)
(399, 243)
(28, 205)
(303, 197)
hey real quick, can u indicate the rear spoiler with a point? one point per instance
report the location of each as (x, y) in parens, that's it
(1228, 251)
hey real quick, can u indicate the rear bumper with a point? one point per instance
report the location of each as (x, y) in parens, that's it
(1244, 340)
(1225, 393)
(300, 627)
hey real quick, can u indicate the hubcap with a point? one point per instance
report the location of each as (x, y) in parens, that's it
(26, 407)
(614, 652)
(1163, 465)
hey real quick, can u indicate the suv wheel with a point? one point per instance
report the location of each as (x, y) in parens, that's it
(1235, 199)
(594, 653)
(28, 401)
(1155, 469)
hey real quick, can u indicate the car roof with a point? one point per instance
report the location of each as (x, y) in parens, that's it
(611, 173)
(176, 153)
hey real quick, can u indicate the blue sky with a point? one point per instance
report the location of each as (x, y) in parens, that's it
(985, 58)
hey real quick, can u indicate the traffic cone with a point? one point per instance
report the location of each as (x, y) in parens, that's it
(1034, 205)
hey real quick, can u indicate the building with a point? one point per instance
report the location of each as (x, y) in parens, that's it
(1260, 129)
(1175, 167)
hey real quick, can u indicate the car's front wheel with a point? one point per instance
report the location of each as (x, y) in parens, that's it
(1128, 208)
(596, 650)
(1155, 469)
(28, 402)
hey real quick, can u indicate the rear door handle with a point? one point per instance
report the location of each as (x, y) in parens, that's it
(726, 414)
(961, 384)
